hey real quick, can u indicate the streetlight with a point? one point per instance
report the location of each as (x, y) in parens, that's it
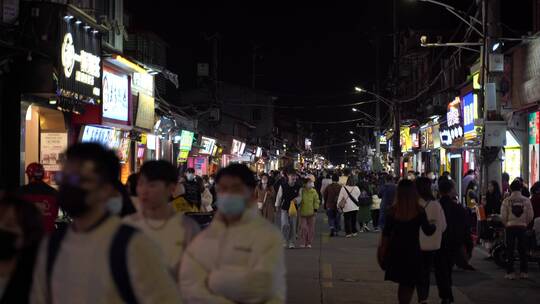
(362, 90)
(354, 109)
(351, 132)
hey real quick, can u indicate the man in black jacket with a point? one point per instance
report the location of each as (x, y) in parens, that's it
(454, 238)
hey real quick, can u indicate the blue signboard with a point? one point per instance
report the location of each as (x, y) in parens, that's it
(469, 115)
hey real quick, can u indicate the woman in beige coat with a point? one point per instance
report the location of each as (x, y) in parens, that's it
(266, 196)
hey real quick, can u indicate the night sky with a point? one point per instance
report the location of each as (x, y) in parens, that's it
(307, 53)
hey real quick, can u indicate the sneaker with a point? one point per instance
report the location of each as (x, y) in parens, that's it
(291, 246)
(308, 246)
(366, 228)
(524, 276)
(355, 234)
(349, 236)
(510, 276)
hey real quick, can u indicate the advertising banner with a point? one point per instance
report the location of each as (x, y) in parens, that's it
(186, 140)
(534, 141)
(470, 113)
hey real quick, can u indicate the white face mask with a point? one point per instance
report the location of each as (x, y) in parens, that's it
(190, 176)
(114, 205)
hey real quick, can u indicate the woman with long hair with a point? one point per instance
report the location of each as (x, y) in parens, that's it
(399, 249)
(347, 202)
(494, 198)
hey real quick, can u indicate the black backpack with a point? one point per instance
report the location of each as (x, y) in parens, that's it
(517, 208)
(117, 261)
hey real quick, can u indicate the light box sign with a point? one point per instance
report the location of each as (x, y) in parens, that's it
(534, 147)
(79, 62)
(143, 83)
(115, 96)
(470, 113)
(145, 112)
(258, 153)
(186, 140)
(207, 145)
(454, 123)
(238, 147)
(107, 137)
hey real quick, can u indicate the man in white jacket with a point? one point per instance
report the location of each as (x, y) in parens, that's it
(516, 213)
(239, 257)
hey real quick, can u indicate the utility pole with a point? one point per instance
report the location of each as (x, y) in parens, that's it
(492, 32)
(395, 105)
(378, 103)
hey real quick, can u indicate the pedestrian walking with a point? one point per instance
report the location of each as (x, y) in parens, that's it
(430, 244)
(454, 238)
(517, 213)
(348, 203)
(326, 181)
(238, 258)
(194, 188)
(375, 211)
(387, 194)
(308, 212)
(287, 199)
(179, 201)
(97, 259)
(364, 206)
(331, 195)
(399, 249)
(171, 231)
(266, 197)
(41, 194)
(21, 229)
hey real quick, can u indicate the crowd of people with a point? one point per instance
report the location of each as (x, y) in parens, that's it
(142, 243)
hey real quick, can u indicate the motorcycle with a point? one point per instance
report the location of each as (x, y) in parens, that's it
(498, 252)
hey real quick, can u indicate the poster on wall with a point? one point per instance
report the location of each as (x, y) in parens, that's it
(115, 96)
(52, 147)
(534, 140)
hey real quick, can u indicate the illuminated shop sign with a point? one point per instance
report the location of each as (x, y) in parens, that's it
(79, 58)
(115, 96)
(238, 147)
(470, 113)
(454, 123)
(207, 145)
(143, 83)
(186, 140)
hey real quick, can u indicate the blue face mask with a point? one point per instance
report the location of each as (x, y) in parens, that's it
(114, 205)
(231, 204)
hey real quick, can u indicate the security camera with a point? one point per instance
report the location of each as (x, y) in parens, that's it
(423, 39)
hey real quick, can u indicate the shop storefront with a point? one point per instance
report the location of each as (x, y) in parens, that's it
(62, 89)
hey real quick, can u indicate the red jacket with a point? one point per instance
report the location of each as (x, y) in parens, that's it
(45, 198)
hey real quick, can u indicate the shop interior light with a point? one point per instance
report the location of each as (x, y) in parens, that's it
(95, 31)
(52, 101)
(29, 113)
(130, 64)
(68, 17)
(78, 22)
(86, 27)
(153, 72)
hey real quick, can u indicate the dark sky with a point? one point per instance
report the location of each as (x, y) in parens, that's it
(307, 53)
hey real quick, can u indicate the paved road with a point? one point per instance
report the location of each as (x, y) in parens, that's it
(341, 270)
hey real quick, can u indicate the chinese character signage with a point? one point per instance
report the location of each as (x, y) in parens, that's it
(454, 123)
(80, 69)
(115, 96)
(470, 113)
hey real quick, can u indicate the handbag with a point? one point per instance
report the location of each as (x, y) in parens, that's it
(292, 209)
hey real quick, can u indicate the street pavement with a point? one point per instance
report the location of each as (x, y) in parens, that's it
(341, 270)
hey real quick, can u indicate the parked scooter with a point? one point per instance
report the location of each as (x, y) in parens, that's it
(499, 248)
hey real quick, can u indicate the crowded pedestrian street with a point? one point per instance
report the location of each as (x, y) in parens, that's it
(162, 152)
(340, 270)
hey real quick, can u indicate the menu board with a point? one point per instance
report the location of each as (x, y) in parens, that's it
(52, 147)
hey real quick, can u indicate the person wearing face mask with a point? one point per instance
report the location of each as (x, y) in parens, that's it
(157, 219)
(193, 188)
(266, 196)
(97, 259)
(308, 210)
(238, 258)
(288, 193)
(21, 229)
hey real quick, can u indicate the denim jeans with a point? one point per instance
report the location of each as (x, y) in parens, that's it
(288, 226)
(334, 220)
(518, 234)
